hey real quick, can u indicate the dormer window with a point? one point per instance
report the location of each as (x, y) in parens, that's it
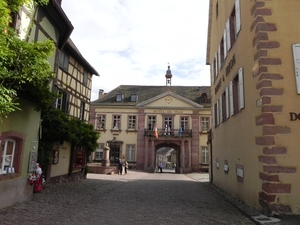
(203, 98)
(134, 97)
(119, 97)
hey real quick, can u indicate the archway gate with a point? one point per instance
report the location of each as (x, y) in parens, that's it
(183, 154)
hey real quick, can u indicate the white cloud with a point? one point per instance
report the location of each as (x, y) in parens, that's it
(132, 41)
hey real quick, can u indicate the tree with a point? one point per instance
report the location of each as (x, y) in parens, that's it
(24, 69)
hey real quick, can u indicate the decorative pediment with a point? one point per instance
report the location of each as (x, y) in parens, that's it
(169, 99)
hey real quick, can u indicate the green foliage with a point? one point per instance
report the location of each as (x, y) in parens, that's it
(24, 67)
(7, 96)
(58, 127)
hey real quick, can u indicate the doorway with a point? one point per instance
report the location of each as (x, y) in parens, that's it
(114, 153)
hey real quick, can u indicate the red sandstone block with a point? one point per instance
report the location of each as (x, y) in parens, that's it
(259, 54)
(265, 118)
(276, 188)
(265, 27)
(270, 76)
(261, 69)
(256, 6)
(266, 100)
(262, 12)
(274, 150)
(258, 19)
(271, 91)
(267, 159)
(280, 208)
(264, 83)
(271, 108)
(268, 61)
(279, 169)
(264, 141)
(266, 197)
(273, 130)
(267, 177)
(267, 45)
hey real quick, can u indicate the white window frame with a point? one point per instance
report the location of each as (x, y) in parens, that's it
(241, 89)
(228, 38)
(131, 122)
(205, 124)
(99, 152)
(204, 155)
(296, 55)
(227, 102)
(184, 120)
(237, 17)
(151, 122)
(231, 98)
(101, 121)
(4, 159)
(116, 122)
(130, 153)
(220, 110)
(225, 43)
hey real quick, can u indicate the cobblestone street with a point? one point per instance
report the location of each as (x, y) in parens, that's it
(134, 198)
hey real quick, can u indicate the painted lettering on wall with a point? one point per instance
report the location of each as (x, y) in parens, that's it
(294, 116)
(168, 111)
(230, 65)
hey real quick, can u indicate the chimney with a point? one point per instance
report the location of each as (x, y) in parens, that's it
(101, 91)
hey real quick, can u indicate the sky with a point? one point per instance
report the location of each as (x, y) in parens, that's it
(132, 42)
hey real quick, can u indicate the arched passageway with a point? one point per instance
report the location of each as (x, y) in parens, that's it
(175, 153)
(168, 156)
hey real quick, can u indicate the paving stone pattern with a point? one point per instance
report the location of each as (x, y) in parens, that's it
(135, 198)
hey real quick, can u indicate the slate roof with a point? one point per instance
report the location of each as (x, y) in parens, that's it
(144, 93)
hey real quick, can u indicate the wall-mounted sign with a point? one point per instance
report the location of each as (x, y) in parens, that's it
(240, 172)
(168, 111)
(226, 168)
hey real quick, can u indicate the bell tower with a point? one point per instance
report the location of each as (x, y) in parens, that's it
(168, 76)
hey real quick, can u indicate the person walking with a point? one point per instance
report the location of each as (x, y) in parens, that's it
(120, 166)
(160, 167)
(126, 166)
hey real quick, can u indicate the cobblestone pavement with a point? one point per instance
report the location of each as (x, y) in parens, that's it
(135, 198)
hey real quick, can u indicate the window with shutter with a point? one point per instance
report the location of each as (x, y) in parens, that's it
(237, 17)
(296, 53)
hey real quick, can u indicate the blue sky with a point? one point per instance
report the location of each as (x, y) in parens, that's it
(132, 41)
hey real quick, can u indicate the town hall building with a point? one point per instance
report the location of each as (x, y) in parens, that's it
(148, 125)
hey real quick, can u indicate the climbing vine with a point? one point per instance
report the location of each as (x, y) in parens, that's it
(24, 67)
(58, 127)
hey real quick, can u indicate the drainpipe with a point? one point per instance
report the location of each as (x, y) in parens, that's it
(209, 142)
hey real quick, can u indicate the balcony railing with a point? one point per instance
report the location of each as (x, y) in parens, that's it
(169, 133)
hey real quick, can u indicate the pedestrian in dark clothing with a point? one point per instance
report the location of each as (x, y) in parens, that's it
(160, 167)
(120, 166)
